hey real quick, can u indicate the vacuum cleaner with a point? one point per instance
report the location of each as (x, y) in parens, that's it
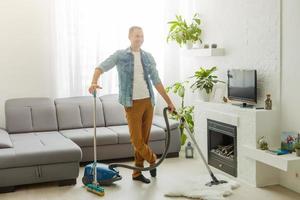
(98, 174)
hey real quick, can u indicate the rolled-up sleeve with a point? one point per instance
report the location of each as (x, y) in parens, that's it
(154, 76)
(109, 63)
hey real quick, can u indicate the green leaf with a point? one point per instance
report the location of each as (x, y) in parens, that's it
(168, 89)
(183, 138)
(198, 21)
(173, 26)
(181, 91)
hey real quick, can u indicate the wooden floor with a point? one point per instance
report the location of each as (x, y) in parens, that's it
(171, 169)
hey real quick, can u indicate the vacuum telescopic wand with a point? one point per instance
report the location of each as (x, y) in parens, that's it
(214, 181)
(94, 187)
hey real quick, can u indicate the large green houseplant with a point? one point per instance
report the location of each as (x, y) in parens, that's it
(205, 81)
(179, 88)
(184, 33)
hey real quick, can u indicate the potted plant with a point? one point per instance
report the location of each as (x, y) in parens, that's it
(205, 81)
(179, 88)
(297, 148)
(184, 33)
(262, 142)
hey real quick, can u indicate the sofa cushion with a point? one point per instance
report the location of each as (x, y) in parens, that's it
(39, 148)
(5, 141)
(160, 122)
(30, 114)
(44, 118)
(114, 112)
(124, 135)
(68, 116)
(84, 137)
(81, 110)
(18, 119)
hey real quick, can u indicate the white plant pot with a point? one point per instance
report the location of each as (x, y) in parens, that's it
(189, 44)
(203, 96)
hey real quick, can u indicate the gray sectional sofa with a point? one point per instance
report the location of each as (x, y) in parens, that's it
(46, 140)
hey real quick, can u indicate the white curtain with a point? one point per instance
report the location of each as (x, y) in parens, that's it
(88, 31)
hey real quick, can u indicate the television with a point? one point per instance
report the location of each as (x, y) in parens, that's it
(242, 86)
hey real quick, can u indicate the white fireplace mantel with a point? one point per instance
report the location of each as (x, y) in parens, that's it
(254, 166)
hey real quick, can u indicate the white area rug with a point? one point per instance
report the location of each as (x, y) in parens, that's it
(195, 188)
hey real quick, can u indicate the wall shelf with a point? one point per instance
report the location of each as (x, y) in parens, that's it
(282, 162)
(204, 52)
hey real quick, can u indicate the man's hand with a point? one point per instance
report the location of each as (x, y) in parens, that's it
(171, 108)
(94, 87)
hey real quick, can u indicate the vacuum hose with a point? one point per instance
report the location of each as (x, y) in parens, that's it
(114, 165)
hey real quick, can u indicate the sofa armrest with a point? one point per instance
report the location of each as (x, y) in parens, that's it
(160, 122)
(5, 141)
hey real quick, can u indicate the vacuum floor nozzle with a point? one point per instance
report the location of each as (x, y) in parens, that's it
(96, 189)
(218, 182)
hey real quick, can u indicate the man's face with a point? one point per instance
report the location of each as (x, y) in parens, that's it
(136, 37)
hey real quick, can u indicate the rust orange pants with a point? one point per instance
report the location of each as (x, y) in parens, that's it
(139, 118)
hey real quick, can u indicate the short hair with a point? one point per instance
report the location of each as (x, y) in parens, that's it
(131, 29)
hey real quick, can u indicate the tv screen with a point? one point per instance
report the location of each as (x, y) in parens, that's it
(242, 85)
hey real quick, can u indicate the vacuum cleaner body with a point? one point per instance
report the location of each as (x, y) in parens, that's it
(105, 175)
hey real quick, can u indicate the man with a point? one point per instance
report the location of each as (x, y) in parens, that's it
(135, 69)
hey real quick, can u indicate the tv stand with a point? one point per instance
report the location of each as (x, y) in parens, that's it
(244, 105)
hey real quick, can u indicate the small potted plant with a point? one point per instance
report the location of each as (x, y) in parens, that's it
(205, 81)
(262, 142)
(297, 148)
(183, 33)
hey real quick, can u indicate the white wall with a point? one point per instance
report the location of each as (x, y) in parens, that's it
(291, 66)
(249, 30)
(290, 79)
(25, 61)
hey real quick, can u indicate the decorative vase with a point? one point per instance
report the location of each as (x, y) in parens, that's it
(206, 46)
(297, 152)
(214, 46)
(189, 44)
(203, 96)
(268, 102)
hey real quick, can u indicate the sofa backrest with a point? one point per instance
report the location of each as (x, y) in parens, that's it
(77, 112)
(30, 114)
(114, 112)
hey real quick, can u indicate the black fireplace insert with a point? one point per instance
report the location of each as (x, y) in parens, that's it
(222, 146)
